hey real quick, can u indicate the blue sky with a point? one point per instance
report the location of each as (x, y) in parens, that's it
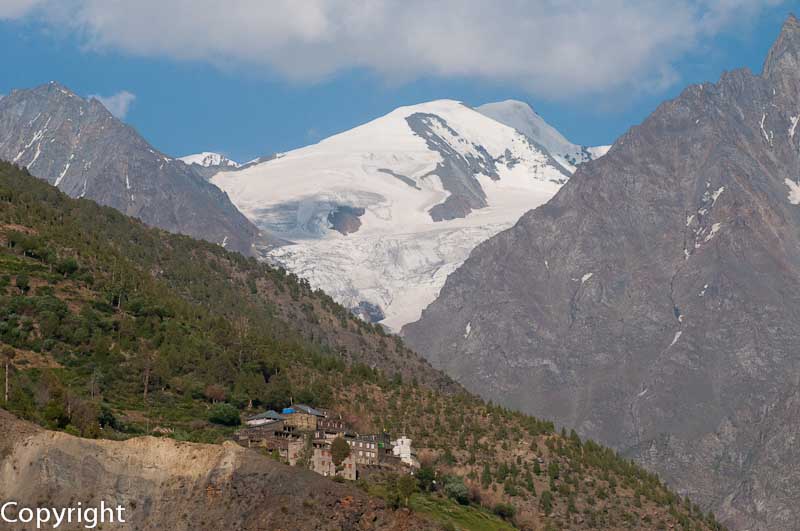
(221, 99)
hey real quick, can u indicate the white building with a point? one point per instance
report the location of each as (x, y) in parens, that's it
(402, 448)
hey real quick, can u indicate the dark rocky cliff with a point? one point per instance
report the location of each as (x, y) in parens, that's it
(653, 304)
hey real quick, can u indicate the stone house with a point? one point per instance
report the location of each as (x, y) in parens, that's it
(330, 428)
(257, 436)
(322, 462)
(302, 417)
(294, 449)
(364, 450)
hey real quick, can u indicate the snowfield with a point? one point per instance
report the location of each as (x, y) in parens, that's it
(520, 116)
(382, 213)
(208, 158)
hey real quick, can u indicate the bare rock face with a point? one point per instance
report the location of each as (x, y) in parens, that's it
(164, 484)
(78, 146)
(653, 303)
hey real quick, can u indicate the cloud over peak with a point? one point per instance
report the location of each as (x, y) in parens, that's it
(552, 48)
(117, 104)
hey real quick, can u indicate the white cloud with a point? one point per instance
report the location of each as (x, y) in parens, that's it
(117, 104)
(16, 8)
(552, 48)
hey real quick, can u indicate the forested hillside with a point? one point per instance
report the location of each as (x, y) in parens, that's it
(111, 329)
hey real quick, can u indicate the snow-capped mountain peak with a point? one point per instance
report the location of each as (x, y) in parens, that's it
(523, 118)
(379, 215)
(208, 158)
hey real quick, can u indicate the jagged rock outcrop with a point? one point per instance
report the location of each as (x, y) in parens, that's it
(78, 146)
(653, 303)
(164, 484)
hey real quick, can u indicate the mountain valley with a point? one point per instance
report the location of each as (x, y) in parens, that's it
(113, 330)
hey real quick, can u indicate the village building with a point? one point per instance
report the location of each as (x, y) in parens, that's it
(302, 417)
(364, 450)
(327, 427)
(294, 450)
(302, 435)
(264, 418)
(322, 461)
(402, 448)
(260, 434)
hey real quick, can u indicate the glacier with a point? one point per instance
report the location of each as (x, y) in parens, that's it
(379, 215)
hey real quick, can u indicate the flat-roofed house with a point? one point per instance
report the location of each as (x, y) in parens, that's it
(364, 450)
(264, 418)
(302, 417)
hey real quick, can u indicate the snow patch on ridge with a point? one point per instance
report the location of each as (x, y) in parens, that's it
(675, 339)
(794, 191)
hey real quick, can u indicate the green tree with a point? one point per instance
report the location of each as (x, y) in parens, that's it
(553, 471)
(406, 486)
(8, 360)
(67, 267)
(307, 452)
(23, 283)
(529, 483)
(215, 393)
(546, 502)
(425, 478)
(340, 451)
(225, 414)
(486, 476)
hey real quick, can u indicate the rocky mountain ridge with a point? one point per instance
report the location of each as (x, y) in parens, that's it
(652, 303)
(78, 146)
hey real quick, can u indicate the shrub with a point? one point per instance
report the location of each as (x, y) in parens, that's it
(23, 283)
(546, 502)
(455, 488)
(425, 478)
(67, 267)
(225, 414)
(505, 511)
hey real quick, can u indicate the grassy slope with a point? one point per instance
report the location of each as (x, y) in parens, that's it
(97, 305)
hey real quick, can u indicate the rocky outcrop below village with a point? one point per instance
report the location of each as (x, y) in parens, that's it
(165, 484)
